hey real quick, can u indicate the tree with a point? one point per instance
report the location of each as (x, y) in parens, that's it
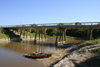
(77, 23)
(33, 25)
(61, 24)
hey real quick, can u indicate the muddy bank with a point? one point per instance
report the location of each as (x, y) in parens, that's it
(69, 57)
(56, 56)
(7, 40)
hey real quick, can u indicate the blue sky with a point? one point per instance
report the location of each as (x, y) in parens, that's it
(16, 12)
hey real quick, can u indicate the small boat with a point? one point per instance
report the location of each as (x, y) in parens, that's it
(67, 45)
(39, 55)
(64, 46)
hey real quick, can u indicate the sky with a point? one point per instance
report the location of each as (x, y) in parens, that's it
(19, 12)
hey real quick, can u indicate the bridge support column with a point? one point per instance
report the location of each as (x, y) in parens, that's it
(65, 35)
(30, 33)
(35, 36)
(39, 35)
(42, 36)
(57, 37)
(20, 32)
(89, 33)
(26, 33)
(45, 33)
(60, 37)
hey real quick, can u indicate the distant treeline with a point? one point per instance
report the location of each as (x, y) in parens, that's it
(82, 33)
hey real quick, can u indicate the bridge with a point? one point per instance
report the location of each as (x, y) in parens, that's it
(61, 28)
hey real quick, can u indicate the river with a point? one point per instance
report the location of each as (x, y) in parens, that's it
(12, 54)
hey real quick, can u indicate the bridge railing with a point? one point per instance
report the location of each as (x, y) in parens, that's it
(53, 24)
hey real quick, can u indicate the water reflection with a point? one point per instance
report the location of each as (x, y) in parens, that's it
(14, 51)
(29, 47)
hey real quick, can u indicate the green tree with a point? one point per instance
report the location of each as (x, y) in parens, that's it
(77, 23)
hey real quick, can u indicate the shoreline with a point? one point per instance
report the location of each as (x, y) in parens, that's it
(66, 56)
(4, 40)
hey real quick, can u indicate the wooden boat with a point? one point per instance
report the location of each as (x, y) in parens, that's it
(67, 45)
(39, 55)
(64, 46)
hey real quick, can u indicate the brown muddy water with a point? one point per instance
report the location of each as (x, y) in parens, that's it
(11, 55)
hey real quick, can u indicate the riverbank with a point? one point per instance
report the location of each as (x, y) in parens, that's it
(4, 40)
(71, 57)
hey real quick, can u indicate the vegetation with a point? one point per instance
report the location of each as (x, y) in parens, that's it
(2, 35)
(90, 42)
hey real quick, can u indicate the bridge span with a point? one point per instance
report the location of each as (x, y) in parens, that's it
(61, 28)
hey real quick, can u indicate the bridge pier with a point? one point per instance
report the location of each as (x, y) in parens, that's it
(89, 33)
(20, 32)
(30, 33)
(39, 35)
(62, 36)
(45, 34)
(65, 35)
(56, 43)
(42, 36)
(35, 36)
(26, 33)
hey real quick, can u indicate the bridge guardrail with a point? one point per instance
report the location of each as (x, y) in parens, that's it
(53, 24)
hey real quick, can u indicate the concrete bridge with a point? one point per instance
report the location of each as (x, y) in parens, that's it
(61, 28)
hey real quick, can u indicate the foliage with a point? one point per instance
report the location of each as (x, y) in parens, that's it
(1, 30)
(91, 42)
(60, 24)
(3, 36)
(51, 32)
(77, 32)
(33, 25)
(77, 23)
(23, 25)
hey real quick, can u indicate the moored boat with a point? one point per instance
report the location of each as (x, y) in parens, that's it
(67, 45)
(39, 55)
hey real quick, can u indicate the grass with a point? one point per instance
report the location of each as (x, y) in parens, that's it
(3, 36)
(90, 42)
